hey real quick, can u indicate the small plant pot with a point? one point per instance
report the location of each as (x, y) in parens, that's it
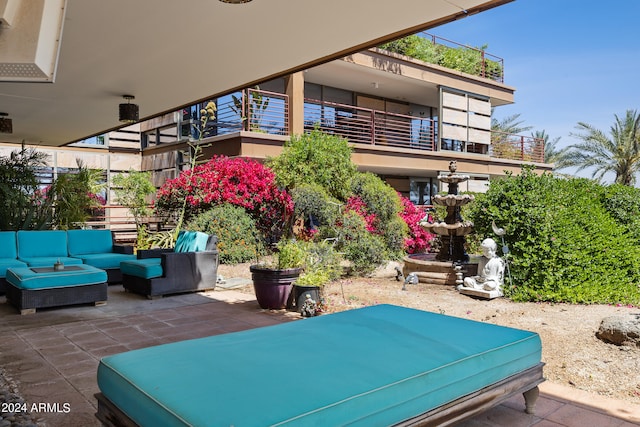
(299, 294)
(273, 287)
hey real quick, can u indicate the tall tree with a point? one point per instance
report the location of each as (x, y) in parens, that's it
(617, 153)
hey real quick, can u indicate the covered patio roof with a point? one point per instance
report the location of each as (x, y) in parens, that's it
(169, 55)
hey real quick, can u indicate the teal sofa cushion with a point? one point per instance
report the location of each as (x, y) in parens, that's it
(373, 366)
(191, 241)
(147, 268)
(48, 261)
(106, 260)
(26, 278)
(6, 263)
(82, 242)
(8, 245)
(34, 244)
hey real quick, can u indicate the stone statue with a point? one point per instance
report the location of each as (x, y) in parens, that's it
(490, 270)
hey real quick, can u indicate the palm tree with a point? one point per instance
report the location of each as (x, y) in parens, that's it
(552, 154)
(618, 153)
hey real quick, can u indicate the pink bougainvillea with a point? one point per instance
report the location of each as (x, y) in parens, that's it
(419, 239)
(356, 204)
(237, 181)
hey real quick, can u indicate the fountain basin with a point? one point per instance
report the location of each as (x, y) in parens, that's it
(435, 272)
(453, 199)
(443, 229)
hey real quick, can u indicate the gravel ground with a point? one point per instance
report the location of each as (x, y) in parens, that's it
(10, 400)
(572, 353)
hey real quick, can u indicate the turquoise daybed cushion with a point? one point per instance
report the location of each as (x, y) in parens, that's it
(147, 268)
(372, 366)
(26, 278)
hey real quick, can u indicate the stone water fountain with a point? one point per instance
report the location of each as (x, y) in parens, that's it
(439, 269)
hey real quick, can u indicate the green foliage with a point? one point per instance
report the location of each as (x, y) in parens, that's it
(618, 153)
(465, 59)
(565, 244)
(315, 158)
(415, 47)
(23, 207)
(160, 239)
(313, 200)
(72, 194)
(322, 264)
(623, 203)
(234, 228)
(132, 190)
(291, 254)
(381, 199)
(365, 250)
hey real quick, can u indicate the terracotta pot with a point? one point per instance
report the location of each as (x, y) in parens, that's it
(273, 287)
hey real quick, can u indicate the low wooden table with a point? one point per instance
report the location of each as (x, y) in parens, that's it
(40, 287)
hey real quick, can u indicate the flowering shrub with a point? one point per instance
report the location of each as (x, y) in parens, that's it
(419, 239)
(356, 204)
(238, 181)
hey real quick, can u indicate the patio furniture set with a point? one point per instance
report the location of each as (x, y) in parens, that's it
(41, 269)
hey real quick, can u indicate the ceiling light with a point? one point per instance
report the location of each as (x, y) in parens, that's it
(6, 124)
(235, 1)
(129, 112)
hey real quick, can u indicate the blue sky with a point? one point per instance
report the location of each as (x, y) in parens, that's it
(570, 61)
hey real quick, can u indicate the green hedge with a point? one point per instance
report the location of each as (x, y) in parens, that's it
(566, 243)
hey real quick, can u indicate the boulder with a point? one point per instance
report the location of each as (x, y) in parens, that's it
(620, 330)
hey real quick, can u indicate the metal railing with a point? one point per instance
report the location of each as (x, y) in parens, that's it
(252, 110)
(366, 126)
(450, 54)
(516, 147)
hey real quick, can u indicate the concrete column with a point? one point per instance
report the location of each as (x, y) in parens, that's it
(294, 88)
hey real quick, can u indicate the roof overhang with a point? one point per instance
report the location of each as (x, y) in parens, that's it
(170, 54)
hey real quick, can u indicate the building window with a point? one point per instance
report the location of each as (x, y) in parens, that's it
(421, 190)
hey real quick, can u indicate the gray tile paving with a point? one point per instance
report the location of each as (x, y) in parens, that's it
(53, 356)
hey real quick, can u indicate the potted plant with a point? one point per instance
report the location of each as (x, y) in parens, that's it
(272, 282)
(322, 265)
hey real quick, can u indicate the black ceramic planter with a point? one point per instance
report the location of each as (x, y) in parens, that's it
(273, 287)
(299, 294)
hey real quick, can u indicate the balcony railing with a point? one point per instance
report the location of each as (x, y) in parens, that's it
(367, 126)
(516, 147)
(449, 54)
(249, 110)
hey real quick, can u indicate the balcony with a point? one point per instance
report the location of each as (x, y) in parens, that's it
(267, 113)
(368, 126)
(437, 50)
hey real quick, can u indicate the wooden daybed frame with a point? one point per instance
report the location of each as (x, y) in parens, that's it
(525, 383)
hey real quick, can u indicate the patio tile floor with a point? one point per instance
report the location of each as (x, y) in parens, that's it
(53, 356)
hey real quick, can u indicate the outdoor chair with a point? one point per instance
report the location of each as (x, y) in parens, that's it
(191, 266)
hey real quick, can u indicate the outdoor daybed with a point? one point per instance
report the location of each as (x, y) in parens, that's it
(375, 366)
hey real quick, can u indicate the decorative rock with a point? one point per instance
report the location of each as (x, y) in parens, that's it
(620, 330)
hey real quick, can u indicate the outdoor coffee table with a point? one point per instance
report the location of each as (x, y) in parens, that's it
(30, 288)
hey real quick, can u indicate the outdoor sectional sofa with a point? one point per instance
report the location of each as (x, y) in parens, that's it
(374, 366)
(30, 248)
(190, 266)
